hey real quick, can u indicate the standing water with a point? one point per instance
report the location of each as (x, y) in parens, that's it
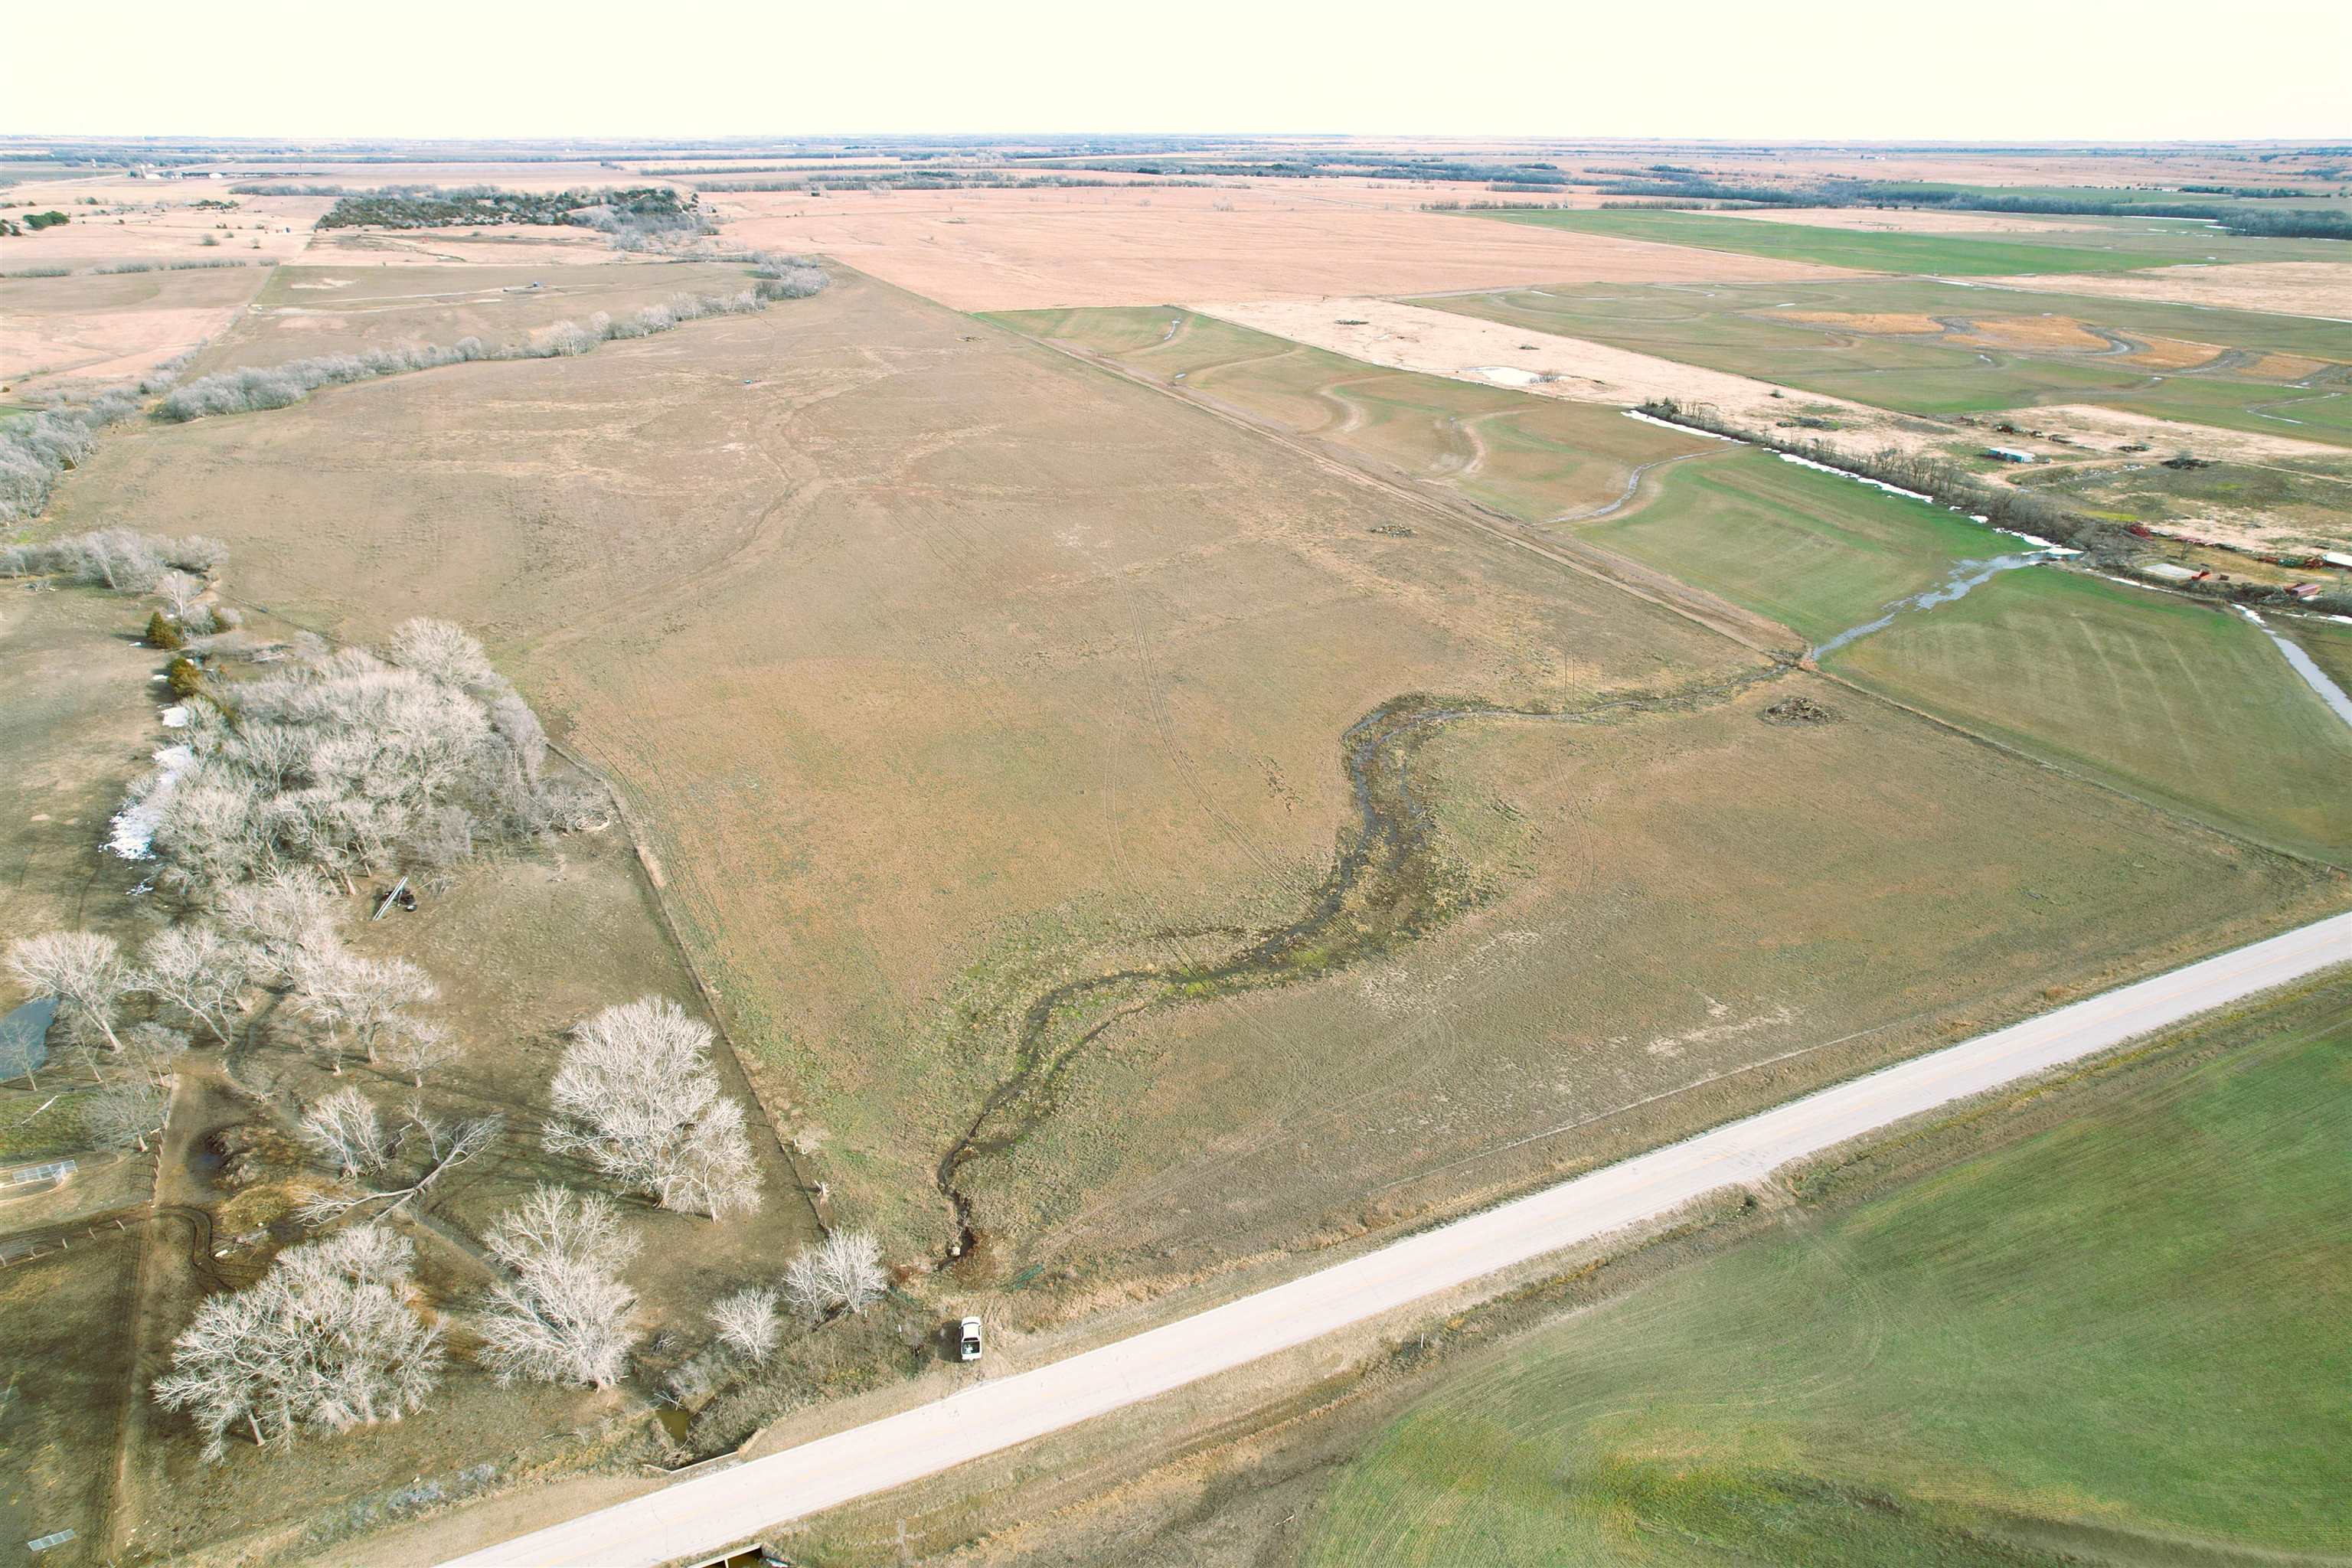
(2313, 676)
(1966, 574)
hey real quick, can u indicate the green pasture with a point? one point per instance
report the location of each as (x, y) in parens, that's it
(2102, 249)
(1815, 551)
(1752, 331)
(2122, 1336)
(2175, 700)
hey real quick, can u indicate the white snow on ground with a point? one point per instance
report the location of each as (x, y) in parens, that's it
(1680, 429)
(1874, 484)
(175, 717)
(134, 836)
(1508, 374)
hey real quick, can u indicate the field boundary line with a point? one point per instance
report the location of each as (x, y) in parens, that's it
(658, 895)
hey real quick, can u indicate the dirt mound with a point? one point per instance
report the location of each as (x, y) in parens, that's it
(1798, 711)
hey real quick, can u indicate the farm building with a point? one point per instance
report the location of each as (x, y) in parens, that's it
(2011, 454)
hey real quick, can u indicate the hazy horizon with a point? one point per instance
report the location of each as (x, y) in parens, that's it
(2007, 73)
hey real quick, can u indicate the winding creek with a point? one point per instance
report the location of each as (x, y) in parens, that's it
(1388, 885)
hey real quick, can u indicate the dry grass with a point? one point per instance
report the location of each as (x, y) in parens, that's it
(1441, 342)
(929, 653)
(1019, 250)
(140, 222)
(1892, 324)
(2047, 332)
(114, 327)
(2291, 288)
(308, 309)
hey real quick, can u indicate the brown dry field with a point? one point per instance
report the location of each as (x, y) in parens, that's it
(114, 327)
(64, 1390)
(2286, 288)
(926, 638)
(143, 222)
(314, 309)
(1017, 250)
(527, 245)
(1672, 940)
(942, 665)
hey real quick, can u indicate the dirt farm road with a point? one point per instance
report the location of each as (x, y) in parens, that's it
(697, 1519)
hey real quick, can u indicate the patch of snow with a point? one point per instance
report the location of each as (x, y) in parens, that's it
(175, 717)
(134, 835)
(1506, 374)
(1679, 430)
(1858, 478)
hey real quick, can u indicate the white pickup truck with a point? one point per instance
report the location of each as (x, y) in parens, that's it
(968, 1339)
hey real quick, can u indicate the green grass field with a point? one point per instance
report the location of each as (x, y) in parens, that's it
(2083, 250)
(2123, 1333)
(1761, 331)
(2179, 703)
(2329, 643)
(1817, 552)
(1531, 457)
(2176, 702)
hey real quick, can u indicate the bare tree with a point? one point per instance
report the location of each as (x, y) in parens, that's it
(443, 1146)
(81, 969)
(124, 1114)
(443, 650)
(747, 1321)
(422, 1049)
(178, 590)
(345, 1127)
(197, 970)
(563, 1317)
(842, 1273)
(635, 1096)
(368, 997)
(328, 1340)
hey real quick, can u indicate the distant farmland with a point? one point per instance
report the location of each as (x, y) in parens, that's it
(2125, 248)
(1927, 347)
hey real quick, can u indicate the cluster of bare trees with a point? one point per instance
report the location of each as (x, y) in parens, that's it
(37, 448)
(276, 386)
(330, 1339)
(788, 277)
(121, 559)
(635, 1097)
(346, 763)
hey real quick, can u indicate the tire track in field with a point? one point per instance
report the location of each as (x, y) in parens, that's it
(1632, 484)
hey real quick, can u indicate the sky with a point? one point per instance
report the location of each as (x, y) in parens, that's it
(1976, 70)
